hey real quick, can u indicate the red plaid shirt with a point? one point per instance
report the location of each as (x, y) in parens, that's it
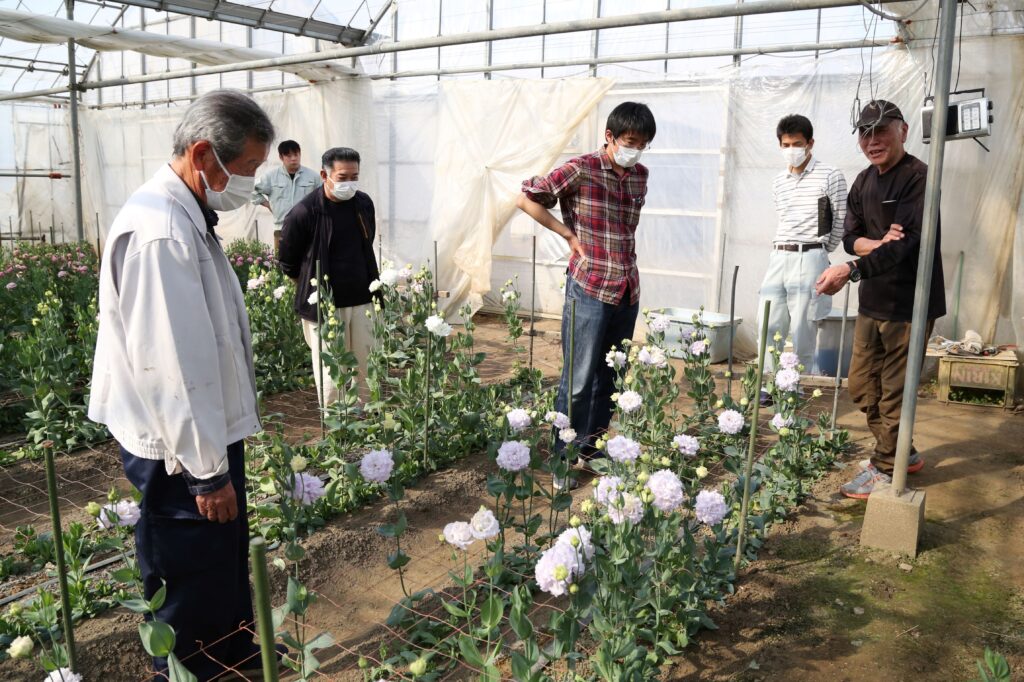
(603, 210)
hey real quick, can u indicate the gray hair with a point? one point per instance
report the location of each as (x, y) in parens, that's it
(227, 119)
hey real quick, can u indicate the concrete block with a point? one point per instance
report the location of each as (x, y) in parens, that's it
(893, 523)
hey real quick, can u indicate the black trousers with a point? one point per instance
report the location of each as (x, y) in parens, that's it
(204, 564)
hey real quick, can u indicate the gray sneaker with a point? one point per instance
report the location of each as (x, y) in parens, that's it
(914, 464)
(864, 484)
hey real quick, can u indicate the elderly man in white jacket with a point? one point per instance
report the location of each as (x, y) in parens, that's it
(173, 379)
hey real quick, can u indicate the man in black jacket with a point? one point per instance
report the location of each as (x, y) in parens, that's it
(335, 227)
(883, 228)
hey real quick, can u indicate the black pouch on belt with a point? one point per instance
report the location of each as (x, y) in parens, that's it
(824, 216)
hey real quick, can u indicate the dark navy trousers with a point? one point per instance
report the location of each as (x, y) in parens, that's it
(204, 563)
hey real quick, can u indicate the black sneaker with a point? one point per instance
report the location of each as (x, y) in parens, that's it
(766, 399)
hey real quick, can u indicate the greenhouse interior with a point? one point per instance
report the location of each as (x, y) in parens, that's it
(573, 416)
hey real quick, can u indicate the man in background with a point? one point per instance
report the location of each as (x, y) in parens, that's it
(282, 187)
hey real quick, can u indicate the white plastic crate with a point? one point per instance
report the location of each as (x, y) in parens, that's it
(716, 328)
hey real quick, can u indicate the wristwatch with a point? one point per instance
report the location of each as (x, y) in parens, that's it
(855, 274)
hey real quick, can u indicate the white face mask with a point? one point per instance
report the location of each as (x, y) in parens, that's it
(236, 193)
(627, 156)
(794, 156)
(343, 191)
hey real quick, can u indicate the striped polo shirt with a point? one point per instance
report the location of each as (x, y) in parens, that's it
(796, 203)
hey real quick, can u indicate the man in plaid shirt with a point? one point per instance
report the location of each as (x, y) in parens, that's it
(601, 195)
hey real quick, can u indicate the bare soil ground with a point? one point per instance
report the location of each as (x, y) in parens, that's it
(814, 606)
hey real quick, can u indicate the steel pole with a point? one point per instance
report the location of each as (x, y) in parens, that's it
(533, 298)
(929, 235)
(732, 327)
(76, 156)
(749, 467)
(264, 615)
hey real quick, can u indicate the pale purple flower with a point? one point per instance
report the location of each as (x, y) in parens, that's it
(687, 445)
(710, 507)
(518, 419)
(607, 489)
(255, 283)
(63, 675)
(306, 488)
(405, 273)
(558, 567)
(557, 419)
(279, 292)
(126, 511)
(61, 274)
(652, 356)
(622, 449)
(513, 455)
(659, 323)
(579, 539)
(459, 534)
(567, 435)
(789, 360)
(12, 285)
(730, 422)
(787, 379)
(778, 421)
(615, 359)
(667, 490)
(698, 347)
(628, 507)
(417, 287)
(483, 525)
(376, 466)
(630, 401)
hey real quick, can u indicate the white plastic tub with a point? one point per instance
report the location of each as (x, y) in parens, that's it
(826, 355)
(717, 331)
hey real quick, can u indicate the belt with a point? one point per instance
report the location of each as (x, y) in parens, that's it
(797, 247)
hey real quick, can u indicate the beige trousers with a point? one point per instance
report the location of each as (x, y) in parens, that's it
(358, 340)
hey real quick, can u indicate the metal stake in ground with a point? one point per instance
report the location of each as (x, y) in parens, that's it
(320, 351)
(732, 329)
(572, 352)
(426, 420)
(264, 617)
(741, 536)
(58, 551)
(533, 298)
(839, 361)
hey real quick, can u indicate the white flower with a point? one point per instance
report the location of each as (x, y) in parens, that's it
(437, 326)
(127, 512)
(701, 471)
(787, 379)
(298, 463)
(459, 534)
(630, 401)
(615, 359)
(653, 356)
(417, 287)
(628, 507)
(405, 273)
(514, 455)
(63, 675)
(659, 323)
(557, 419)
(622, 449)
(255, 283)
(789, 360)
(389, 277)
(698, 347)
(730, 422)
(558, 567)
(374, 285)
(21, 647)
(279, 292)
(484, 525)
(313, 283)
(606, 490)
(779, 422)
(306, 488)
(710, 507)
(314, 298)
(518, 419)
(687, 445)
(510, 295)
(667, 490)
(579, 539)
(376, 466)
(567, 435)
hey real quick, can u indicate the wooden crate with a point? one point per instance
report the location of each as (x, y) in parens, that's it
(994, 373)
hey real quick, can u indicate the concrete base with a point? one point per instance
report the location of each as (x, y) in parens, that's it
(893, 523)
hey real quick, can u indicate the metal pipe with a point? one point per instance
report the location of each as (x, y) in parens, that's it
(732, 328)
(619, 21)
(264, 615)
(76, 156)
(839, 362)
(194, 96)
(58, 551)
(749, 468)
(533, 299)
(52, 175)
(956, 296)
(929, 224)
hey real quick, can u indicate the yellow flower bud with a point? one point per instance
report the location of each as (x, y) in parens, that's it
(666, 462)
(727, 374)
(418, 667)
(784, 431)
(744, 402)
(298, 463)
(720, 404)
(575, 522)
(817, 393)
(701, 471)
(94, 509)
(574, 588)
(643, 477)
(770, 349)
(587, 506)
(363, 663)
(800, 367)
(645, 458)
(791, 400)
(777, 337)
(647, 496)
(561, 572)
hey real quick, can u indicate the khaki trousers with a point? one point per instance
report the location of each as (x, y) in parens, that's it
(877, 372)
(358, 340)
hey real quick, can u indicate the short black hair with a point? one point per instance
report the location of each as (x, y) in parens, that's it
(338, 154)
(288, 147)
(632, 117)
(795, 124)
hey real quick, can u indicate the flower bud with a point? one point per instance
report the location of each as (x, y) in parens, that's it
(621, 487)
(744, 402)
(784, 431)
(94, 509)
(643, 477)
(298, 463)
(15, 609)
(646, 311)
(21, 647)
(727, 374)
(647, 496)
(777, 337)
(574, 588)
(770, 349)
(791, 400)
(645, 458)
(666, 462)
(693, 335)
(615, 397)
(701, 471)
(363, 663)
(817, 393)
(574, 541)
(575, 522)
(440, 538)
(561, 572)
(800, 367)
(587, 506)
(720, 404)
(418, 667)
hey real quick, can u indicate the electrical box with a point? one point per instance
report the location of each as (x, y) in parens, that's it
(967, 118)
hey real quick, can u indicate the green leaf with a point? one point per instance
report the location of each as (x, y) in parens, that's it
(159, 598)
(157, 638)
(521, 625)
(279, 614)
(455, 610)
(177, 670)
(398, 559)
(470, 652)
(321, 641)
(136, 605)
(491, 611)
(124, 575)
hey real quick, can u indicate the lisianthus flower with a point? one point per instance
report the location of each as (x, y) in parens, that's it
(126, 511)
(558, 568)
(306, 488)
(518, 419)
(459, 534)
(513, 455)
(484, 525)
(376, 466)
(667, 490)
(730, 422)
(687, 445)
(710, 507)
(622, 449)
(630, 401)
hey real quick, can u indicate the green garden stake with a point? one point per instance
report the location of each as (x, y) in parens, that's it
(320, 352)
(426, 420)
(264, 617)
(58, 545)
(533, 298)
(732, 328)
(572, 351)
(839, 362)
(748, 469)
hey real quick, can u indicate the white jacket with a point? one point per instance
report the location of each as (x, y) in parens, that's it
(173, 376)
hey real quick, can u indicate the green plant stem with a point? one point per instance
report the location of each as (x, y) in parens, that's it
(58, 550)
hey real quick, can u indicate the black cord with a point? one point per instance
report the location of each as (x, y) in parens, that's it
(928, 83)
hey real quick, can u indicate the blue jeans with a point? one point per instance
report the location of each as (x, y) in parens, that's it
(599, 326)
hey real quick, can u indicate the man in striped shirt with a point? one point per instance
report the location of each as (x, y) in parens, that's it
(810, 200)
(601, 195)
